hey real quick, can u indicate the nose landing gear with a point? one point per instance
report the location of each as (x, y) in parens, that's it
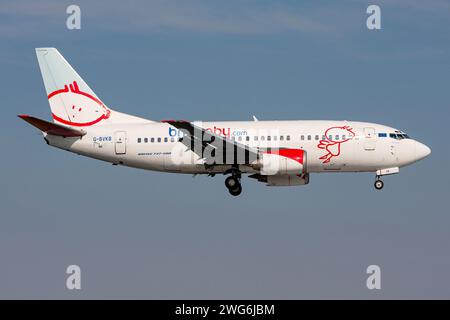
(384, 172)
(233, 184)
(378, 183)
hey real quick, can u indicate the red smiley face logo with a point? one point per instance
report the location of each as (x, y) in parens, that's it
(81, 108)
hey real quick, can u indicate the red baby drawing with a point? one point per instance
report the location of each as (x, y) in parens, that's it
(334, 137)
(72, 106)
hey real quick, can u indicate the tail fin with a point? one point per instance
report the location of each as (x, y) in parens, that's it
(71, 100)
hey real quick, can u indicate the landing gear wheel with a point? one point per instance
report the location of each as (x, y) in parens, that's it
(231, 182)
(236, 190)
(379, 184)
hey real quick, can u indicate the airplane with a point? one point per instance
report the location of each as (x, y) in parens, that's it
(277, 153)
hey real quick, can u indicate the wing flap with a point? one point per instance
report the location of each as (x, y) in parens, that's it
(52, 128)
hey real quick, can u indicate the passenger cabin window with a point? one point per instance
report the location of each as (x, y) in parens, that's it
(309, 137)
(281, 138)
(172, 139)
(262, 138)
(165, 139)
(159, 139)
(152, 140)
(256, 138)
(317, 137)
(288, 138)
(247, 138)
(268, 138)
(302, 137)
(275, 138)
(139, 140)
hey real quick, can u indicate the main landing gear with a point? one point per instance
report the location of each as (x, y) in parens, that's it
(233, 184)
(378, 183)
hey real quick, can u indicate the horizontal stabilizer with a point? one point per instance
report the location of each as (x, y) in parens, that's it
(52, 128)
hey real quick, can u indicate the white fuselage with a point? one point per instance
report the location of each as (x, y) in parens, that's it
(331, 146)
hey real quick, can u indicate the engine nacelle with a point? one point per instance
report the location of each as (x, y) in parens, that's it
(282, 162)
(282, 180)
(287, 180)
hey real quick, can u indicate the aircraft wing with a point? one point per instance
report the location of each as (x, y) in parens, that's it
(52, 128)
(214, 149)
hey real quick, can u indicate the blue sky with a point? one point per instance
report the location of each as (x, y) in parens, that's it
(139, 234)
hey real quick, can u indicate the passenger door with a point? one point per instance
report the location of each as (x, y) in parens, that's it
(120, 142)
(370, 139)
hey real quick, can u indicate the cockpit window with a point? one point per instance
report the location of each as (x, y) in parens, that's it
(398, 136)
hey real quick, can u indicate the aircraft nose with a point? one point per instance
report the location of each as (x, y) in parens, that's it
(422, 151)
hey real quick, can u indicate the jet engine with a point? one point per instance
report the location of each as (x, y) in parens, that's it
(281, 162)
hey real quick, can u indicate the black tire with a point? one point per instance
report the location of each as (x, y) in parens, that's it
(379, 184)
(231, 182)
(236, 191)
